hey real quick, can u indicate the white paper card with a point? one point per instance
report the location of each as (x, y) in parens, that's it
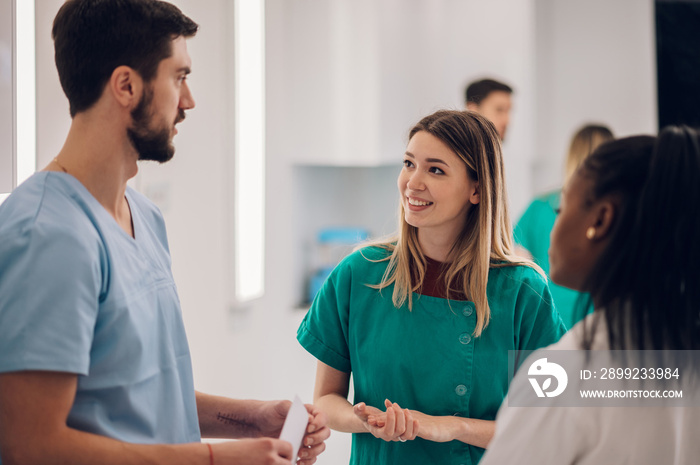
(294, 426)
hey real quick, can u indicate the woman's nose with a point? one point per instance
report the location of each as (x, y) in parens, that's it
(415, 181)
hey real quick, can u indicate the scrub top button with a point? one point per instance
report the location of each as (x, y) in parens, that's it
(468, 310)
(461, 390)
(465, 338)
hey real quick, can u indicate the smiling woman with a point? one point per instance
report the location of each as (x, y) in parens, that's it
(424, 321)
(438, 191)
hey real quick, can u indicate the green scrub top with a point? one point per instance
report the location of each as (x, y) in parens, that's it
(426, 359)
(532, 232)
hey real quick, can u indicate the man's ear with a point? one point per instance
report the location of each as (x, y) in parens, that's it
(475, 198)
(471, 106)
(605, 214)
(126, 85)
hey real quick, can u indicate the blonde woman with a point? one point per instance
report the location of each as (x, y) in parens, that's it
(535, 225)
(425, 321)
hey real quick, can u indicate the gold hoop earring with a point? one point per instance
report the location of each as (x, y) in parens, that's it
(590, 233)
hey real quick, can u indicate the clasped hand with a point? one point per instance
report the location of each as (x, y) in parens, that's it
(397, 424)
(394, 424)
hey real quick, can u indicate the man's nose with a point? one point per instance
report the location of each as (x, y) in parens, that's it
(186, 98)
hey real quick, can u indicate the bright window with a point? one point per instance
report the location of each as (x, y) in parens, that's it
(22, 71)
(26, 90)
(249, 197)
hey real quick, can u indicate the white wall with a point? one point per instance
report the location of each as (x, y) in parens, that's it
(348, 79)
(52, 116)
(596, 62)
(324, 103)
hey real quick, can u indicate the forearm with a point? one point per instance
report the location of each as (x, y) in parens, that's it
(341, 416)
(34, 408)
(468, 430)
(67, 445)
(476, 432)
(221, 417)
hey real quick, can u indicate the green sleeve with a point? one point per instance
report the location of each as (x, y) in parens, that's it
(524, 226)
(324, 330)
(535, 226)
(539, 322)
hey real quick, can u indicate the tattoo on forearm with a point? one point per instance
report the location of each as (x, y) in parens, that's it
(239, 423)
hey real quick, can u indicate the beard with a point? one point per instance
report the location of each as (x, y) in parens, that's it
(151, 144)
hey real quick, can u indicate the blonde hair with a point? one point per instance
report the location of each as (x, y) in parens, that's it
(584, 142)
(485, 241)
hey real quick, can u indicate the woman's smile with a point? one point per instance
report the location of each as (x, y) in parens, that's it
(417, 204)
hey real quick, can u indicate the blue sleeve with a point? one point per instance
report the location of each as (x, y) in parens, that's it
(324, 330)
(50, 284)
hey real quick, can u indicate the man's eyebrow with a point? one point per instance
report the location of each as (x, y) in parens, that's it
(184, 69)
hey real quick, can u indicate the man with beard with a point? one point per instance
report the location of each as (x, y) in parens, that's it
(94, 362)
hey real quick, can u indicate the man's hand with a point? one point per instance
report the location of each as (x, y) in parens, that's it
(271, 419)
(266, 451)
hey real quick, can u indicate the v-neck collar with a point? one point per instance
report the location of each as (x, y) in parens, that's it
(135, 221)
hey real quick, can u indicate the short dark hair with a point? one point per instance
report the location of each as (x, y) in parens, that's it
(646, 278)
(479, 90)
(94, 37)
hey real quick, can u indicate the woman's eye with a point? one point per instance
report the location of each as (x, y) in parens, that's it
(436, 170)
(407, 163)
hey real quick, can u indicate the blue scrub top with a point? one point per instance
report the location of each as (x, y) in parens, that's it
(79, 295)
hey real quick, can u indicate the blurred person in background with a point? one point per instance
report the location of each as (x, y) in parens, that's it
(491, 99)
(534, 227)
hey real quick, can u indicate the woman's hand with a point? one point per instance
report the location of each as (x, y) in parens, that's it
(447, 428)
(394, 424)
(431, 428)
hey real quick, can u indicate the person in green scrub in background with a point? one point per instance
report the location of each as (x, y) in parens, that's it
(425, 320)
(535, 225)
